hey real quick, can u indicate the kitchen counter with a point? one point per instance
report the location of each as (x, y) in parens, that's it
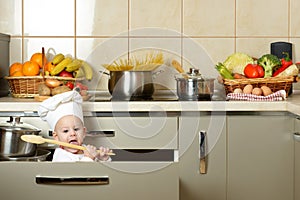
(292, 105)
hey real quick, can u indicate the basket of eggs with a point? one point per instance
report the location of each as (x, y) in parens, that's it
(33, 77)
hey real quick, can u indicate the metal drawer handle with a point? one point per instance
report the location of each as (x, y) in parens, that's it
(54, 180)
(203, 146)
(297, 136)
(101, 133)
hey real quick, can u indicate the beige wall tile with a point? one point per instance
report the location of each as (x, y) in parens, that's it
(60, 45)
(255, 47)
(261, 18)
(98, 52)
(197, 56)
(205, 18)
(101, 17)
(49, 18)
(217, 48)
(11, 17)
(295, 19)
(296, 46)
(155, 13)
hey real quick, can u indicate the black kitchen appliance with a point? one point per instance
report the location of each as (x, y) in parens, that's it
(277, 49)
(4, 63)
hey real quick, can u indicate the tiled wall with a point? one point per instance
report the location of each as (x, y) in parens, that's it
(200, 32)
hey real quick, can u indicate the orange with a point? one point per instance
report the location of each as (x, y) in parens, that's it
(15, 67)
(37, 57)
(17, 73)
(31, 68)
(49, 66)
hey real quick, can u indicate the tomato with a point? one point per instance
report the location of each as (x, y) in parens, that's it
(254, 71)
(70, 85)
(65, 74)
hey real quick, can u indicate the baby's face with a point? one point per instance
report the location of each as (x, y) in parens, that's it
(70, 129)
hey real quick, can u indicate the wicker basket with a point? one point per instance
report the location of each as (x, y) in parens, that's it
(27, 86)
(273, 83)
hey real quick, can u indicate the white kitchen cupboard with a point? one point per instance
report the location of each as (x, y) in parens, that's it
(193, 185)
(77, 181)
(260, 156)
(297, 159)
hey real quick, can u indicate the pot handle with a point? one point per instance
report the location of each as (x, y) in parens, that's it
(103, 72)
(154, 74)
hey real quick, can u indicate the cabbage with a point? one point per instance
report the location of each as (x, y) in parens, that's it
(236, 62)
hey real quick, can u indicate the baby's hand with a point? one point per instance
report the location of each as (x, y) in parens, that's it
(90, 151)
(103, 153)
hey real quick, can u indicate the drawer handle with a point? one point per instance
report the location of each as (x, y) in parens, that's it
(203, 161)
(297, 136)
(54, 180)
(101, 133)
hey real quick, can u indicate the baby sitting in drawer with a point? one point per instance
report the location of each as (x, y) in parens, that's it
(63, 113)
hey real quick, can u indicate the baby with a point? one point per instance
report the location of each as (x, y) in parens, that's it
(63, 112)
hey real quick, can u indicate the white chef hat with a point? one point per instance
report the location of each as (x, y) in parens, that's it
(60, 105)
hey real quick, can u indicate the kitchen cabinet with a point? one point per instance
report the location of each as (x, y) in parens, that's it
(260, 156)
(193, 184)
(297, 159)
(136, 132)
(48, 181)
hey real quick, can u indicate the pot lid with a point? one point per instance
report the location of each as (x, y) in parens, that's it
(193, 74)
(15, 123)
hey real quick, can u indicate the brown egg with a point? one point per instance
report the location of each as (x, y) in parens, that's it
(266, 90)
(257, 91)
(248, 89)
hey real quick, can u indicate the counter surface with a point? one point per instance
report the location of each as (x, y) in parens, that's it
(292, 105)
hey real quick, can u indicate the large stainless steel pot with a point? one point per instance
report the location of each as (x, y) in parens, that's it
(10, 138)
(126, 85)
(193, 87)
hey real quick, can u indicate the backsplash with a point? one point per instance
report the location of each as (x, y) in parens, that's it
(198, 33)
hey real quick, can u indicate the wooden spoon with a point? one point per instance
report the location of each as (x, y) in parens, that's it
(40, 140)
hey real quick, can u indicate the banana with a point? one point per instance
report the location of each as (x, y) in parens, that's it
(73, 66)
(61, 66)
(79, 73)
(88, 71)
(58, 58)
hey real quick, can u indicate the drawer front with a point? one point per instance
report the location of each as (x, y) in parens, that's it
(48, 181)
(134, 132)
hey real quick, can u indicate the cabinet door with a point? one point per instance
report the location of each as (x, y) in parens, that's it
(134, 132)
(297, 159)
(260, 157)
(193, 185)
(77, 181)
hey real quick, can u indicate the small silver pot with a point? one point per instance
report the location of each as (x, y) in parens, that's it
(193, 87)
(126, 85)
(11, 143)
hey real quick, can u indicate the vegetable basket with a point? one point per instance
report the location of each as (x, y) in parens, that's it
(27, 86)
(274, 83)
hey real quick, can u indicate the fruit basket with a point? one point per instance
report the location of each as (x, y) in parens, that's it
(27, 86)
(274, 83)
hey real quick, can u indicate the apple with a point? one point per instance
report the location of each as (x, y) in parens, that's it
(64, 73)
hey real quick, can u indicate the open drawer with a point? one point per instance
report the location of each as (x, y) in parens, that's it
(106, 181)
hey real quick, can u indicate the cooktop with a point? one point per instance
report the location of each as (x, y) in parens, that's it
(104, 96)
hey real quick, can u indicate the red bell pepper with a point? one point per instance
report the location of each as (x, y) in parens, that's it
(285, 63)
